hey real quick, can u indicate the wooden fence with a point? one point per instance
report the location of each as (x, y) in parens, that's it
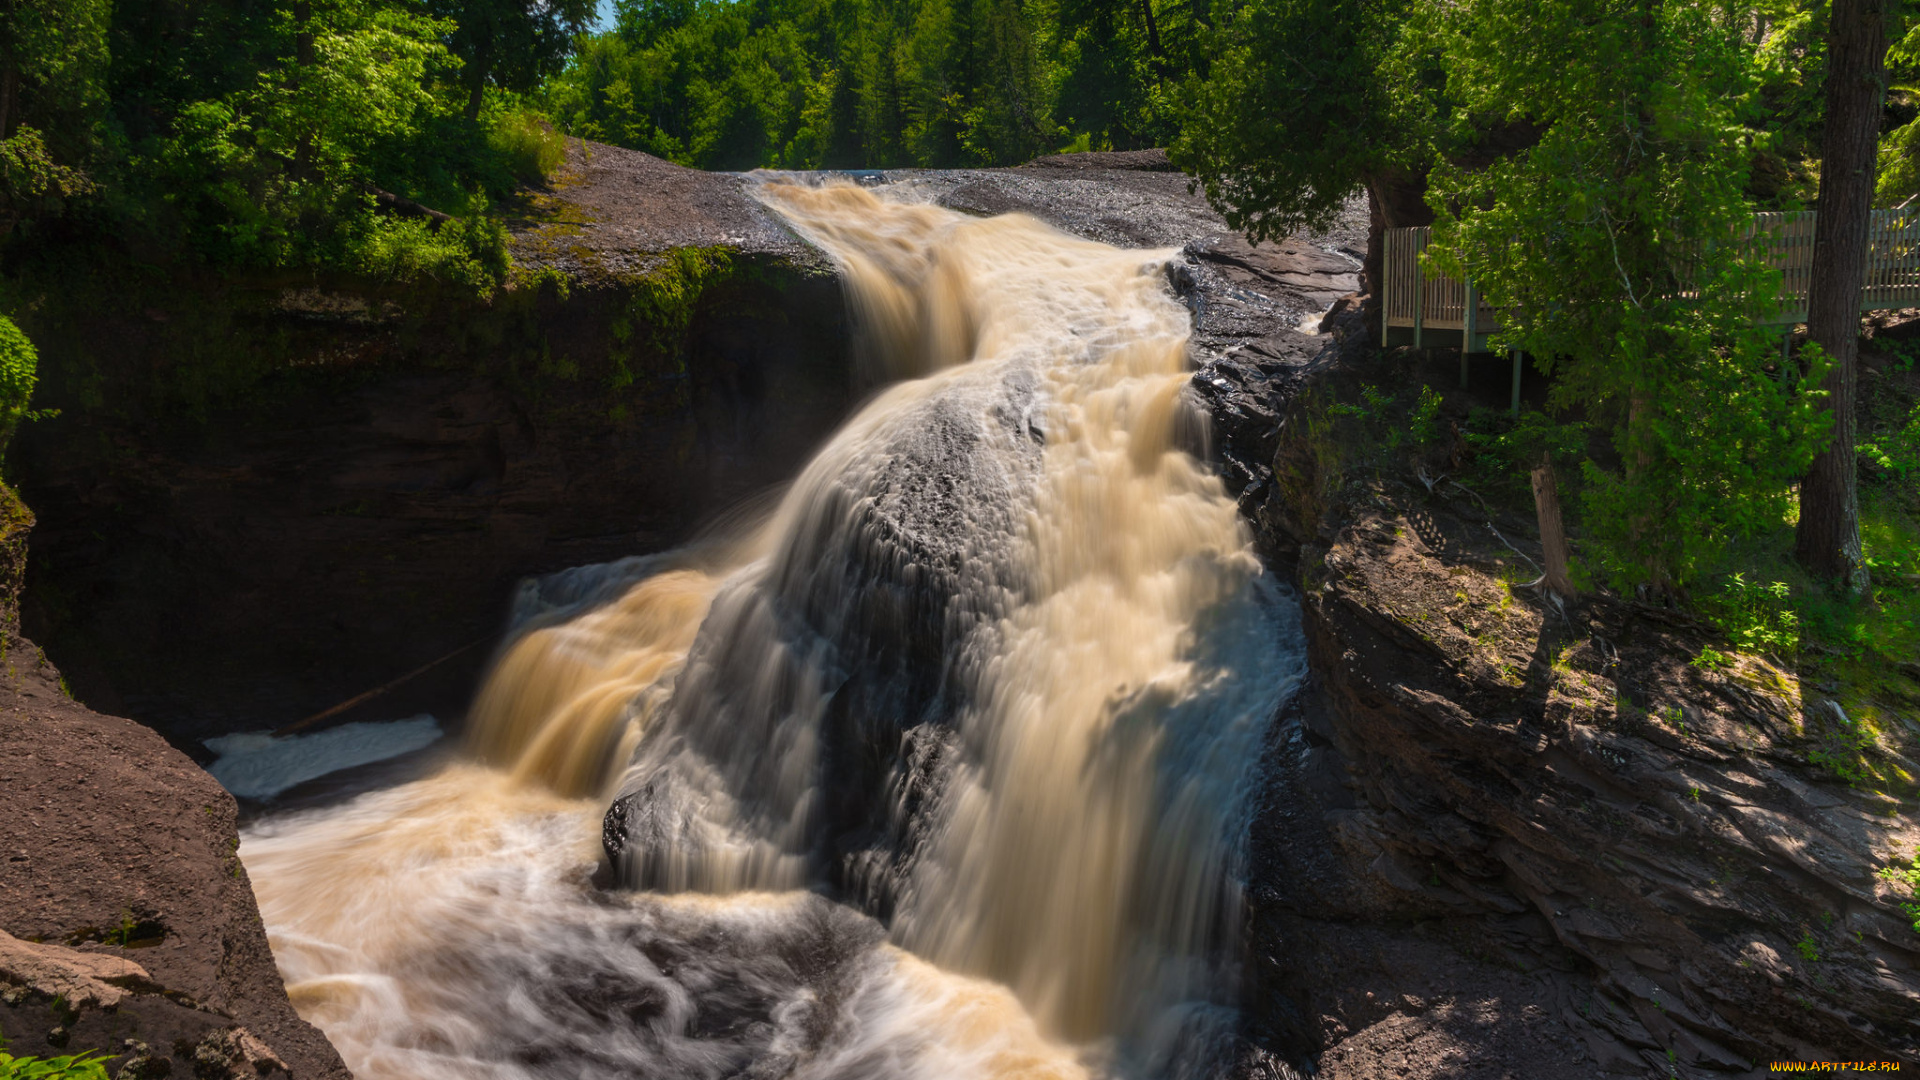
(1423, 309)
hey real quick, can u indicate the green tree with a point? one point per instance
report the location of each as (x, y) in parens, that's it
(53, 58)
(19, 370)
(511, 44)
(1308, 101)
(1612, 246)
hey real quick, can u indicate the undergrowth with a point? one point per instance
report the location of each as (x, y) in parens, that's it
(1908, 875)
(66, 1067)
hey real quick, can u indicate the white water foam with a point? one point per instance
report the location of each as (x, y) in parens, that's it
(996, 676)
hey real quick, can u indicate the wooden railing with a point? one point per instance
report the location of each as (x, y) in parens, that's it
(1432, 309)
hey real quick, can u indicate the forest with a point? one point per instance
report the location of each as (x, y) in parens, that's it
(1584, 161)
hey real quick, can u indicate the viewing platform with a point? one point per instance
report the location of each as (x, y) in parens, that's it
(1437, 311)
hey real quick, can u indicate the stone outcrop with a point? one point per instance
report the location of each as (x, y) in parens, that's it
(1544, 841)
(127, 926)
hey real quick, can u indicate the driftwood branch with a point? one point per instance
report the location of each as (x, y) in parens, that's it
(361, 699)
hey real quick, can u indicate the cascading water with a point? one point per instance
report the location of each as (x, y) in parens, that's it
(995, 674)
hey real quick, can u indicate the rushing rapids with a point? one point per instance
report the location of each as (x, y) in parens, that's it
(937, 769)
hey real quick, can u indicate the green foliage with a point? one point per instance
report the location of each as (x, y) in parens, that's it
(249, 135)
(1424, 424)
(1808, 950)
(739, 84)
(1899, 175)
(527, 145)
(1506, 447)
(1791, 73)
(1842, 752)
(1711, 660)
(510, 44)
(32, 184)
(468, 252)
(1908, 875)
(55, 53)
(1755, 616)
(1357, 105)
(68, 1067)
(19, 367)
(1896, 452)
(1611, 245)
(662, 303)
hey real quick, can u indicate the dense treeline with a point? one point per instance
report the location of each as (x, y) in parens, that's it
(735, 84)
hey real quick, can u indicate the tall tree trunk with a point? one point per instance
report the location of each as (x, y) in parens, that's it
(1828, 541)
(477, 76)
(9, 95)
(1153, 36)
(1553, 532)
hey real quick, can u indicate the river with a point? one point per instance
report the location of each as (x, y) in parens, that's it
(940, 767)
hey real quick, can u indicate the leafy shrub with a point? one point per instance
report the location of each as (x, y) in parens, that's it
(68, 1067)
(1505, 448)
(19, 365)
(1424, 425)
(528, 145)
(1712, 660)
(1909, 876)
(468, 252)
(1898, 452)
(1755, 615)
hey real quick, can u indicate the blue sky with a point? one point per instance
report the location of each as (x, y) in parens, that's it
(606, 13)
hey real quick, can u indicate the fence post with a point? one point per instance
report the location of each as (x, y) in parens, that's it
(1466, 331)
(1419, 292)
(1385, 283)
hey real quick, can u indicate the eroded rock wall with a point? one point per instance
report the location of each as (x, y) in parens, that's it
(1502, 836)
(257, 504)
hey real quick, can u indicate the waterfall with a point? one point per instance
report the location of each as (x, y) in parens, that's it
(942, 768)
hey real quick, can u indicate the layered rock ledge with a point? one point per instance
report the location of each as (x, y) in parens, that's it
(1503, 838)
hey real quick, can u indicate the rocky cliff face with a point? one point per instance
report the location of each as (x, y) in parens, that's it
(127, 927)
(258, 502)
(1505, 839)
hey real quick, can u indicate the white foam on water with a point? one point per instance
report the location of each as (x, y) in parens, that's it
(1007, 576)
(260, 764)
